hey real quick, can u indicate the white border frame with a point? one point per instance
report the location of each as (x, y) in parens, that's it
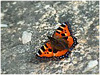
(49, 0)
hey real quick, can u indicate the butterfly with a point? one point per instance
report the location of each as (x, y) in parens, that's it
(60, 44)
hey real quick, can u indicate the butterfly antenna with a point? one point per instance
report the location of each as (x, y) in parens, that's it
(49, 37)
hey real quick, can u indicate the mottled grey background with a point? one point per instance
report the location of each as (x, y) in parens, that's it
(40, 19)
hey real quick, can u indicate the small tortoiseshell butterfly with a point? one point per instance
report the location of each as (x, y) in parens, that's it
(60, 44)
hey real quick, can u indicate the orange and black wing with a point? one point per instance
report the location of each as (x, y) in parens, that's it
(63, 30)
(72, 41)
(45, 51)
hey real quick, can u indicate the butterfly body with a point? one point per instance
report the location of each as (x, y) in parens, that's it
(60, 44)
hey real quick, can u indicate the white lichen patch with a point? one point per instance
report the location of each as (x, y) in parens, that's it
(14, 2)
(20, 22)
(3, 25)
(91, 65)
(2, 15)
(26, 37)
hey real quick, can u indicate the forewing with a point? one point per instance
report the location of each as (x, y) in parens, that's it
(63, 30)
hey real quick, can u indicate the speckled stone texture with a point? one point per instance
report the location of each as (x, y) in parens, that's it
(40, 19)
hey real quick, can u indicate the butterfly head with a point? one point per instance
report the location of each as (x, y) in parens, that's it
(52, 40)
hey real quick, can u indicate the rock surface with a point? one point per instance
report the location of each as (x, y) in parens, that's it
(40, 18)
